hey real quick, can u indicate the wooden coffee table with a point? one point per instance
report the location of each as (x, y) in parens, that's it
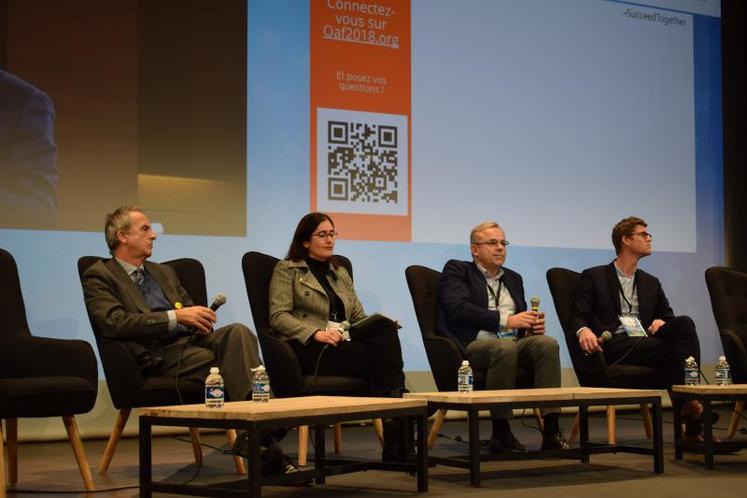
(255, 418)
(705, 394)
(581, 397)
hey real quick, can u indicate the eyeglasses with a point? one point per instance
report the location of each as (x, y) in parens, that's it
(324, 235)
(493, 243)
(645, 235)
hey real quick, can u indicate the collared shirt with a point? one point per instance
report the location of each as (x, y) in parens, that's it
(628, 296)
(505, 305)
(130, 269)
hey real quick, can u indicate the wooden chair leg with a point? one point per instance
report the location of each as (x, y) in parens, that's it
(3, 485)
(574, 429)
(80, 455)
(237, 460)
(338, 438)
(11, 430)
(194, 433)
(735, 416)
(438, 422)
(538, 417)
(378, 425)
(647, 424)
(611, 424)
(303, 444)
(111, 445)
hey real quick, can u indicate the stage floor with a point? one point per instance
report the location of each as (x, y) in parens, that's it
(51, 467)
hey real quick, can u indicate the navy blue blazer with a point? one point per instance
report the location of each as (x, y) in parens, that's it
(463, 301)
(597, 301)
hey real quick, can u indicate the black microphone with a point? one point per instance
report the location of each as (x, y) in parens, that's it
(183, 331)
(220, 300)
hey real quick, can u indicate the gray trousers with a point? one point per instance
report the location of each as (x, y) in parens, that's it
(233, 348)
(500, 359)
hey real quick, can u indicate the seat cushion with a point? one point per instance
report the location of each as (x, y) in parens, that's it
(334, 385)
(45, 396)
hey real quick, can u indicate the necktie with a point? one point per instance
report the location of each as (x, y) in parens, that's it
(138, 277)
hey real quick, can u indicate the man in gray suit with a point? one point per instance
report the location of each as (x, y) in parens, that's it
(144, 304)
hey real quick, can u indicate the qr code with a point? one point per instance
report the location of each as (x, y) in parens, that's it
(361, 162)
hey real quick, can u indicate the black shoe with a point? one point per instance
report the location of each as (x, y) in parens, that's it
(241, 445)
(694, 426)
(555, 442)
(399, 444)
(505, 442)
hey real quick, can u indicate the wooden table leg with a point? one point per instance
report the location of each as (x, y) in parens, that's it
(422, 422)
(658, 437)
(3, 492)
(319, 451)
(473, 420)
(11, 429)
(146, 462)
(708, 434)
(583, 423)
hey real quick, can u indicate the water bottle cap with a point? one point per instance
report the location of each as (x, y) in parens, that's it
(214, 370)
(465, 363)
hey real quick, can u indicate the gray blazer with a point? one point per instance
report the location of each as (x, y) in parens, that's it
(118, 309)
(298, 304)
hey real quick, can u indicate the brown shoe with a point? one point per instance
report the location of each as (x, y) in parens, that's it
(692, 417)
(692, 411)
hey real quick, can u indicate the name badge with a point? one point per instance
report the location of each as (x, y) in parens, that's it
(632, 325)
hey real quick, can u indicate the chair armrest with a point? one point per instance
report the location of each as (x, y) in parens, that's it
(444, 357)
(736, 354)
(43, 356)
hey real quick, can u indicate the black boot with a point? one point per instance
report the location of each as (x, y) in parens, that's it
(503, 440)
(552, 438)
(399, 445)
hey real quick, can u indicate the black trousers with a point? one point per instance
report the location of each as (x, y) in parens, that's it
(667, 349)
(374, 353)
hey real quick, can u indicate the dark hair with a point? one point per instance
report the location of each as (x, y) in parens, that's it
(624, 228)
(305, 228)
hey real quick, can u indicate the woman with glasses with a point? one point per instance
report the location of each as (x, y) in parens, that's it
(312, 300)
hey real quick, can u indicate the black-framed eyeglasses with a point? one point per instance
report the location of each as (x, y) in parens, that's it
(645, 235)
(493, 243)
(324, 235)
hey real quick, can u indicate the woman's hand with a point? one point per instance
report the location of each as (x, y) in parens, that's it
(329, 336)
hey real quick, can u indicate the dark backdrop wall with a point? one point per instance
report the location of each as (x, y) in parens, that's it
(150, 106)
(734, 36)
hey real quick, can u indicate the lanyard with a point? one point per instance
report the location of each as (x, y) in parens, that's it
(493, 293)
(633, 293)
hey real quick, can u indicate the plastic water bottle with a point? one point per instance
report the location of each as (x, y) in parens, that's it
(692, 377)
(464, 378)
(215, 394)
(260, 385)
(723, 374)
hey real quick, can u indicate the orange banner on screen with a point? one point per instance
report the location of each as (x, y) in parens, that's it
(360, 117)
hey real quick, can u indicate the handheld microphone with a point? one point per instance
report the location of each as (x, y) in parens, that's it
(345, 330)
(606, 336)
(220, 300)
(534, 303)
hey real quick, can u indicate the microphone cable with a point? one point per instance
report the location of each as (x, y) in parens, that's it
(179, 367)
